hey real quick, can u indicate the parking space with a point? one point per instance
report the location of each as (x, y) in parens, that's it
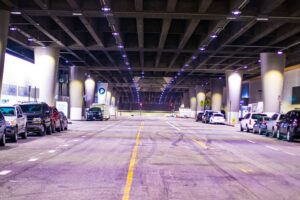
(150, 158)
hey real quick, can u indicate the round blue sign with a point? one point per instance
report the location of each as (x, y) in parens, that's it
(101, 91)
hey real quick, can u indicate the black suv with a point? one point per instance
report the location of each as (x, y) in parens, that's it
(94, 113)
(289, 127)
(38, 117)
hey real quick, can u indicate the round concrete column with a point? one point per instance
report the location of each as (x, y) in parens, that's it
(272, 69)
(234, 88)
(89, 86)
(4, 23)
(109, 95)
(193, 101)
(76, 93)
(46, 65)
(186, 100)
(216, 94)
(200, 94)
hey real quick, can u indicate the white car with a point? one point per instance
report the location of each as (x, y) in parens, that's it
(217, 118)
(249, 120)
(16, 122)
(272, 124)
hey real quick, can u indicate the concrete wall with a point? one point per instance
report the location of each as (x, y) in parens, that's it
(255, 91)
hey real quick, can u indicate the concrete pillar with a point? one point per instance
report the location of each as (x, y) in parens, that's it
(109, 95)
(46, 66)
(89, 86)
(76, 93)
(272, 69)
(200, 94)
(4, 16)
(216, 94)
(234, 87)
(193, 101)
(186, 100)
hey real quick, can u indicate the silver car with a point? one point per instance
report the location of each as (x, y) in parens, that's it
(272, 124)
(15, 122)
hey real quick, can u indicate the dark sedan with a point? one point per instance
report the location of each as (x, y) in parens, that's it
(94, 113)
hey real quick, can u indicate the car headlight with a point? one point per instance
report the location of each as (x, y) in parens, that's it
(37, 120)
(11, 123)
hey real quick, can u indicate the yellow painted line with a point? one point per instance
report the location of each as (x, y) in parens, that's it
(246, 171)
(131, 165)
(201, 144)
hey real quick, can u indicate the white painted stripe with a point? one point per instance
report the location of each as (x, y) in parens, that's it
(32, 159)
(4, 172)
(65, 145)
(75, 140)
(51, 151)
(83, 136)
(292, 154)
(178, 129)
(273, 148)
(251, 141)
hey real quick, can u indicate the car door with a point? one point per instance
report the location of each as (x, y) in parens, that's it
(20, 119)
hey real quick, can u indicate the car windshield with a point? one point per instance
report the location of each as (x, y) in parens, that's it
(257, 116)
(95, 109)
(8, 111)
(31, 108)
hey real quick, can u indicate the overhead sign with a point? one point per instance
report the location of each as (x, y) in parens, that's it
(102, 92)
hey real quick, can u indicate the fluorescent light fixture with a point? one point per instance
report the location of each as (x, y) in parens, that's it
(202, 48)
(12, 28)
(262, 19)
(106, 9)
(236, 12)
(186, 65)
(231, 18)
(77, 14)
(15, 12)
(129, 68)
(124, 55)
(245, 67)
(30, 39)
(279, 52)
(214, 35)
(220, 78)
(115, 34)
(194, 57)
(120, 46)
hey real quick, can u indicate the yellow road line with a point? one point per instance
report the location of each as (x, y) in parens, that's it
(201, 144)
(131, 165)
(246, 171)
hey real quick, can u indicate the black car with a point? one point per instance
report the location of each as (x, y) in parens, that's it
(2, 130)
(38, 117)
(94, 113)
(289, 127)
(260, 125)
(199, 116)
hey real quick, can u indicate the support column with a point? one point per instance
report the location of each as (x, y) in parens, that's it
(193, 101)
(200, 94)
(89, 86)
(234, 88)
(216, 86)
(272, 69)
(186, 100)
(109, 95)
(4, 16)
(46, 65)
(76, 93)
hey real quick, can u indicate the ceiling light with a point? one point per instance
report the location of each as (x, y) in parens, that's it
(186, 65)
(127, 63)
(120, 46)
(115, 34)
(77, 14)
(220, 78)
(12, 28)
(236, 12)
(214, 35)
(202, 48)
(194, 57)
(279, 52)
(259, 61)
(105, 9)
(231, 18)
(262, 18)
(245, 67)
(15, 12)
(124, 56)
(30, 39)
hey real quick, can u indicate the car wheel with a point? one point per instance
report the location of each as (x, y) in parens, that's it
(42, 131)
(278, 135)
(247, 129)
(3, 140)
(15, 136)
(289, 136)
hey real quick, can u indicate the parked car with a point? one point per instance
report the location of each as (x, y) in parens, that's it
(289, 127)
(206, 116)
(2, 130)
(16, 122)
(273, 124)
(249, 120)
(63, 121)
(217, 118)
(38, 117)
(94, 113)
(55, 120)
(260, 125)
(199, 116)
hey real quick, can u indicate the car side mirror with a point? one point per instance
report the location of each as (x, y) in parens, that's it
(20, 115)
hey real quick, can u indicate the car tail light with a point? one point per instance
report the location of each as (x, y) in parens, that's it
(295, 123)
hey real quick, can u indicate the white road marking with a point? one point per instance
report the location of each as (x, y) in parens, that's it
(75, 140)
(251, 141)
(32, 159)
(178, 129)
(83, 136)
(4, 172)
(292, 154)
(51, 151)
(273, 148)
(65, 145)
